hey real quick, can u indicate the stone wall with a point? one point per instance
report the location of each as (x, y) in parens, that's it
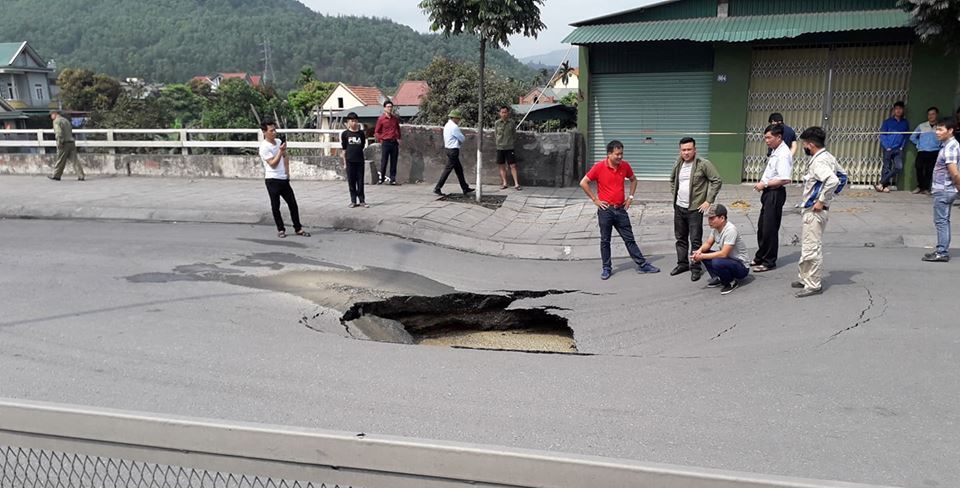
(544, 159)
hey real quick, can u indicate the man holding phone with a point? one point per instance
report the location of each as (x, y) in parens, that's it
(273, 153)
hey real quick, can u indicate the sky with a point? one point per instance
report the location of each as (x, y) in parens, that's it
(556, 14)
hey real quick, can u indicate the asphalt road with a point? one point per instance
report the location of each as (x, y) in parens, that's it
(224, 321)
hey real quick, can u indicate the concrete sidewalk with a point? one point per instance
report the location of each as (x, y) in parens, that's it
(536, 223)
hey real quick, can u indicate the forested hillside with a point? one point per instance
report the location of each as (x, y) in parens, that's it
(174, 40)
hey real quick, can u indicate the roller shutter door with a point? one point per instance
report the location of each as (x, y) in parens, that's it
(649, 113)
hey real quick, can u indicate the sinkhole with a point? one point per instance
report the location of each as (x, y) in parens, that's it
(464, 320)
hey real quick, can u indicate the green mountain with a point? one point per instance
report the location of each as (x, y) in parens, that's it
(175, 40)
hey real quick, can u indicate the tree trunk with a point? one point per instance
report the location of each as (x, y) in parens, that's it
(483, 56)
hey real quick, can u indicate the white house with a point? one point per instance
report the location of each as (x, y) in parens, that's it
(25, 79)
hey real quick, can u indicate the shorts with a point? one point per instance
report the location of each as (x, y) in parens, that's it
(506, 156)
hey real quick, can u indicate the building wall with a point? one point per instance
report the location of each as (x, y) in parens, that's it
(349, 101)
(728, 115)
(931, 84)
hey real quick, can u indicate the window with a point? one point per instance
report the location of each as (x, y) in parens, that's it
(39, 90)
(8, 94)
(340, 102)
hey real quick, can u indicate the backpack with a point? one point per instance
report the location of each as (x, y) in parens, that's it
(815, 195)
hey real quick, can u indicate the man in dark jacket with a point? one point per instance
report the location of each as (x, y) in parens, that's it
(694, 185)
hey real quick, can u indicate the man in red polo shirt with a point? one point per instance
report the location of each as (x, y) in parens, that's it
(612, 206)
(387, 133)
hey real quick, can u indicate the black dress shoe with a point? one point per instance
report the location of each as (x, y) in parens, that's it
(54, 178)
(695, 274)
(679, 269)
(437, 192)
(468, 191)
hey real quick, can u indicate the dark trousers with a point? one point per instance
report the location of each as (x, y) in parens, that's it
(892, 165)
(355, 181)
(617, 218)
(925, 162)
(726, 269)
(688, 229)
(389, 151)
(278, 189)
(453, 164)
(768, 225)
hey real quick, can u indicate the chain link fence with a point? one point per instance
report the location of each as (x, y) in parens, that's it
(28, 468)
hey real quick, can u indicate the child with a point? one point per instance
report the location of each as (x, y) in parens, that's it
(353, 140)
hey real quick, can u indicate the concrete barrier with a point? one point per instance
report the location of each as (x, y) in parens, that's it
(545, 159)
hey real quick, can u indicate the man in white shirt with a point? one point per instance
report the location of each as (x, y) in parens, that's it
(273, 154)
(452, 140)
(773, 194)
(819, 186)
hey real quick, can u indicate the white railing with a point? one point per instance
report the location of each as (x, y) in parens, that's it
(36, 138)
(43, 444)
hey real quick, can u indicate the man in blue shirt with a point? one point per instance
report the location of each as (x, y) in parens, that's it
(789, 135)
(925, 138)
(893, 136)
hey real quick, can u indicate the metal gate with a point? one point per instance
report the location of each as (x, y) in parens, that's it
(649, 113)
(847, 90)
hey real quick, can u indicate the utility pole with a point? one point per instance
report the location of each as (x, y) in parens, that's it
(268, 73)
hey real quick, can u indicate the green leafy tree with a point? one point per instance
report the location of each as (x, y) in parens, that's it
(232, 106)
(453, 85)
(492, 22)
(84, 90)
(935, 21)
(133, 112)
(306, 76)
(303, 101)
(185, 106)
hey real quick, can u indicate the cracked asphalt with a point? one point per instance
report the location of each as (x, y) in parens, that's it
(223, 321)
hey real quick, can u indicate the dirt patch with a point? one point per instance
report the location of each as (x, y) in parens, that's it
(492, 202)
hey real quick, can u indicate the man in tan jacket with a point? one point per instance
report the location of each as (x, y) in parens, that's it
(66, 147)
(694, 185)
(819, 185)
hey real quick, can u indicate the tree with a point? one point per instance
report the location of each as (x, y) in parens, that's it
(303, 101)
(492, 23)
(935, 21)
(565, 72)
(306, 76)
(453, 85)
(185, 106)
(230, 107)
(83, 90)
(133, 112)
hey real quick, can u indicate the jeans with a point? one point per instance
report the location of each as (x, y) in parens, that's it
(617, 218)
(726, 269)
(942, 203)
(389, 151)
(892, 165)
(355, 181)
(281, 189)
(688, 229)
(768, 226)
(453, 164)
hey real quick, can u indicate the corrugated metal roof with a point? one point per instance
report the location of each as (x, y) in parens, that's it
(739, 29)
(7, 51)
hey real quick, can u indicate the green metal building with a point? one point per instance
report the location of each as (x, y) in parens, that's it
(716, 69)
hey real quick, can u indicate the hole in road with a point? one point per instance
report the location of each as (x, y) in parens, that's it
(466, 320)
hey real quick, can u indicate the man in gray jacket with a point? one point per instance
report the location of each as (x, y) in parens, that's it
(694, 185)
(819, 185)
(66, 147)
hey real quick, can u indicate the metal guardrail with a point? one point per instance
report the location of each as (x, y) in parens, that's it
(45, 444)
(26, 138)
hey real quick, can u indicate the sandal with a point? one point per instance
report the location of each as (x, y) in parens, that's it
(281, 234)
(762, 267)
(885, 190)
(518, 188)
(878, 187)
(303, 233)
(364, 205)
(503, 187)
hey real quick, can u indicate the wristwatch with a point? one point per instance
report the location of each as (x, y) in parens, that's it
(630, 197)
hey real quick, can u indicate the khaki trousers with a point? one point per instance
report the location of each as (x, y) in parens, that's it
(67, 151)
(811, 250)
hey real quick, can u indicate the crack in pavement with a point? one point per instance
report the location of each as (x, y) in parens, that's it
(863, 313)
(724, 331)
